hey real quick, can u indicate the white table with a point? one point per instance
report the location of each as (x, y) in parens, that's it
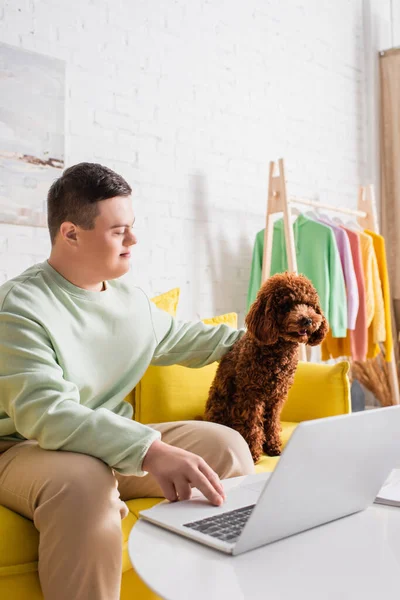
(354, 558)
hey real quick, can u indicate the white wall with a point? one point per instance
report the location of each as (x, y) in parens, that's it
(395, 5)
(189, 101)
(381, 31)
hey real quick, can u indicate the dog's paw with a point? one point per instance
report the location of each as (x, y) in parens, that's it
(272, 450)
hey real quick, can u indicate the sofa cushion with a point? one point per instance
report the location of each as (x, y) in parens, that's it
(19, 540)
(179, 393)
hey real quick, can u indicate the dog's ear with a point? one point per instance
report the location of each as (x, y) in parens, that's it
(261, 320)
(318, 336)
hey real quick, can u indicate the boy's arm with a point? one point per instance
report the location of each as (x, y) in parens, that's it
(46, 407)
(190, 344)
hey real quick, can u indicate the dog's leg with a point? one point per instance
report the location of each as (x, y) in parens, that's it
(248, 423)
(272, 428)
(247, 417)
(237, 399)
(250, 426)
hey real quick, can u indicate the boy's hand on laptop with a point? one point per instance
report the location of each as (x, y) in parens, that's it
(177, 471)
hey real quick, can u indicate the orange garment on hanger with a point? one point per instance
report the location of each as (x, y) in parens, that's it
(366, 248)
(375, 305)
(355, 344)
(374, 296)
(380, 253)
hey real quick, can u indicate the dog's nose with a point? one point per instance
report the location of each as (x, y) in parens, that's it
(306, 322)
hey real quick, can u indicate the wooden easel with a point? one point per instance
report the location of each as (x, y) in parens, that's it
(279, 202)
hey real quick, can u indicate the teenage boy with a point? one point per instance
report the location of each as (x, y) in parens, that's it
(76, 336)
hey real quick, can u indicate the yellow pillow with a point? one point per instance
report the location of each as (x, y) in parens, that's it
(229, 319)
(168, 301)
(172, 393)
(159, 395)
(178, 393)
(318, 391)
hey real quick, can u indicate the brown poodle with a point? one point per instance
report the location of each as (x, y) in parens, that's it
(254, 377)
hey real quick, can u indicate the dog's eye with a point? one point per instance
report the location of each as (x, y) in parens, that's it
(286, 306)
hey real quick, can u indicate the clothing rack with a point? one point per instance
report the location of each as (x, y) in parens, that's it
(279, 202)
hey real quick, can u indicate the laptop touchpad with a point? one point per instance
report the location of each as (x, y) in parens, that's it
(257, 486)
(253, 484)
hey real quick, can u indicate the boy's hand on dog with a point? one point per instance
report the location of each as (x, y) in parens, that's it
(177, 471)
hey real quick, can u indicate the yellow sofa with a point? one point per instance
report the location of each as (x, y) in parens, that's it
(168, 394)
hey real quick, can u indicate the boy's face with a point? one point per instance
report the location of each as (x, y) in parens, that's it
(105, 250)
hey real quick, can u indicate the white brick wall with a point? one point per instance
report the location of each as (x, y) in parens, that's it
(189, 101)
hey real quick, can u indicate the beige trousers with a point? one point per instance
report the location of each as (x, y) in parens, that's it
(76, 503)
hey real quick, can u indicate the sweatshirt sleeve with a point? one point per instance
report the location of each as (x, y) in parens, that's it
(190, 344)
(46, 407)
(337, 316)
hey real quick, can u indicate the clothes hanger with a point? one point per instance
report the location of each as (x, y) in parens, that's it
(312, 214)
(337, 221)
(353, 225)
(294, 213)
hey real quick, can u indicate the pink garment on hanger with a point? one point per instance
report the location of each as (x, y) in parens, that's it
(359, 336)
(350, 279)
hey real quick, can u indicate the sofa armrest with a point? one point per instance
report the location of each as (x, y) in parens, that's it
(318, 391)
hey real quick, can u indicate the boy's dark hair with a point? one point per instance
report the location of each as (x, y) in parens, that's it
(75, 195)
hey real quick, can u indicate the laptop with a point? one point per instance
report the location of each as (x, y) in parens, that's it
(330, 468)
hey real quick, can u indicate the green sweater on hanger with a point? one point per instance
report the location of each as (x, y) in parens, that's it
(317, 258)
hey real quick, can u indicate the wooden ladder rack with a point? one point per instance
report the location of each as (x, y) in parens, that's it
(279, 202)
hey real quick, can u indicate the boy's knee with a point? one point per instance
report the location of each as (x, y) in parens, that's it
(84, 482)
(80, 503)
(229, 453)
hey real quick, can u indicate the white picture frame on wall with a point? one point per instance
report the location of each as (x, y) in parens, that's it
(32, 133)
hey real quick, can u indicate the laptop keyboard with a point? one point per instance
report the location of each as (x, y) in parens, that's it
(226, 526)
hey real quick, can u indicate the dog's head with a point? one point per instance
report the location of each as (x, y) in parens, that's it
(287, 307)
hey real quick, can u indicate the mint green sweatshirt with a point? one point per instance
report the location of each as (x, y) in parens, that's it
(69, 357)
(317, 258)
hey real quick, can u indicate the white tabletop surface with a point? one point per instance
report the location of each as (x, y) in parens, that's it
(354, 558)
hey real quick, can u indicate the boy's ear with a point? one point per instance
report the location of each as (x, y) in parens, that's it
(68, 231)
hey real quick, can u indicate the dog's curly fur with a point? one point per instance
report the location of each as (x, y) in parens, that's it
(254, 377)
